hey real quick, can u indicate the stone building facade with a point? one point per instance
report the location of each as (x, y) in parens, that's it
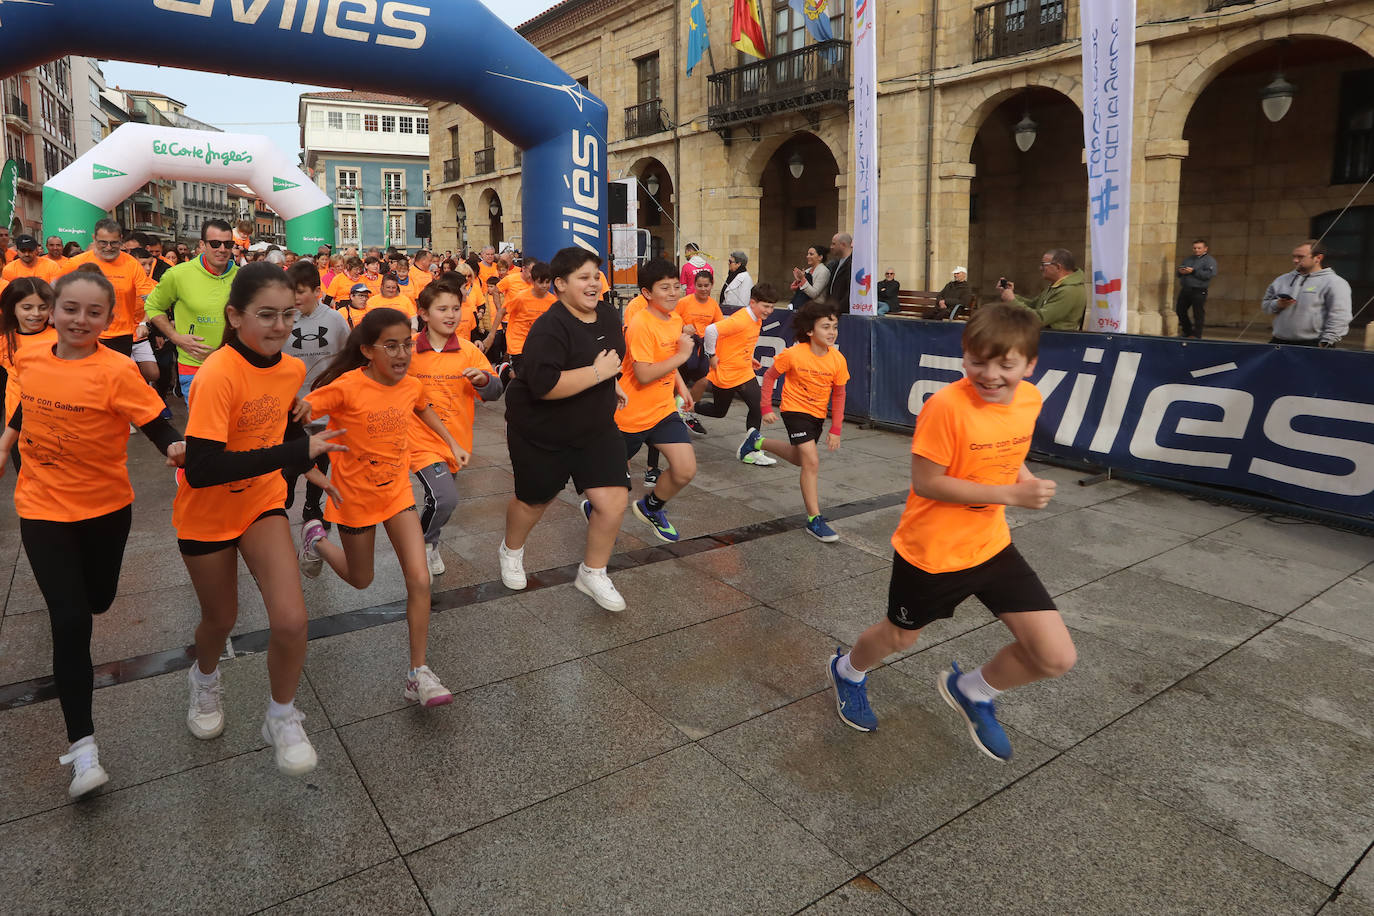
(756, 156)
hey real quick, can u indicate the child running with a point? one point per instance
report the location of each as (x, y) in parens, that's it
(729, 344)
(25, 312)
(523, 308)
(76, 400)
(816, 372)
(370, 399)
(698, 310)
(230, 503)
(456, 374)
(967, 464)
(656, 344)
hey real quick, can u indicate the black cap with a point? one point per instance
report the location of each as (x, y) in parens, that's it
(26, 243)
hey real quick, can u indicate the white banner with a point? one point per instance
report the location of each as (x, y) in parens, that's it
(864, 174)
(1108, 101)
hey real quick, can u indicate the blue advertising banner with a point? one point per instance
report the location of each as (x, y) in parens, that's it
(1288, 422)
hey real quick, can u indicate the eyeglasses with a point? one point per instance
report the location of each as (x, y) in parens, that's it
(396, 349)
(1044, 264)
(218, 243)
(102, 243)
(269, 317)
(891, 273)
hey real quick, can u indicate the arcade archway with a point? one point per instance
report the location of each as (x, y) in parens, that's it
(799, 207)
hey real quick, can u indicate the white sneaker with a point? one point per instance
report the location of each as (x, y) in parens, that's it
(512, 566)
(205, 718)
(436, 562)
(761, 459)
(87, 773)
(596, 585)
(423, 687)
(312, 532)
(294, 753)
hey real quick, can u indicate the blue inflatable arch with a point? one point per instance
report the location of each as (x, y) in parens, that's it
(454, 50)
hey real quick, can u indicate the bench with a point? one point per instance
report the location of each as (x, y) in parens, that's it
(925, 304)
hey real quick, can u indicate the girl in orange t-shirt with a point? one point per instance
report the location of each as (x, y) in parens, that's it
(74, 502)
(230, 502)
(370, 401)
(393, 298)
(25, 309)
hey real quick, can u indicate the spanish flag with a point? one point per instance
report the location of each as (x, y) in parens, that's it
(746, 29)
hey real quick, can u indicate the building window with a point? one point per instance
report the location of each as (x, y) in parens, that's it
(335, 120)
(1354, 146)
(488, 137)
(646, 78)
(789, 30)
(348, 228)
(422, 125)
(396, 229)
(353, 121)
(316, 117)
(370, 123)
(585, 82)
(453, 146)
(388, 124)
(95, 93)
(406, 124)
(839, 16)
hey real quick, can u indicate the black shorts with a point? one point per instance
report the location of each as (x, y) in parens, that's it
(802, 427)
(1006, 584)
(540, 473)
(667, 431)
(349, 529)
(698, 365)
(205, 548)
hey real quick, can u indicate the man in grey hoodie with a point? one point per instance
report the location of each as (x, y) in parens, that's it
(1195, 274)
(1310, 304)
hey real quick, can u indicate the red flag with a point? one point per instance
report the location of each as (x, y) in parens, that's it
(746, 28)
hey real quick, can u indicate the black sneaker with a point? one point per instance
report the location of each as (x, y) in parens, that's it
(694, 424)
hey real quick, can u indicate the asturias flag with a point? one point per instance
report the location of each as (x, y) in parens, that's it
(746, 28)
(816, 17)
(697, 39)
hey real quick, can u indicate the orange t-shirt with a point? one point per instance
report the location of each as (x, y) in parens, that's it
(131, 285)
(700, 315)
(419, 279)
(402, 303)
(245, 407)
(810, 378)
(486, 270)
(605, 284)
(47, 336)
(11, 254)
(520, 315)
(633, 308)
(453, 397)
(75, 439)
(467, 317)
(512, 286)
(338, 288)
(373, 476)
(648, 339)
(973, 440)
(44, 269)
(372, 283)
(736, 338)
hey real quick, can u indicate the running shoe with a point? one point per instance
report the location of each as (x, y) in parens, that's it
(294, 754)
(761, 459)
(587, 509)
(753, 442)
(205, 717)
(663, 529)
(87, 773)
(851, 699)
(821, 530)
(312, 532)
(512, 566)
(433, 560)
(423, 687)
(981, 718)
(651, 478)
(693, 424)
(596, 585)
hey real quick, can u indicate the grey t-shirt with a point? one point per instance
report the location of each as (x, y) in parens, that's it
(315, 340)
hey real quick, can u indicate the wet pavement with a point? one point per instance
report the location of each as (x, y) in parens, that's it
(1212, 752)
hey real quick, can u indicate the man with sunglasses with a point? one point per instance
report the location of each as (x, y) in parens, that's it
(1063, 300)
(188, 305)
(126, 275)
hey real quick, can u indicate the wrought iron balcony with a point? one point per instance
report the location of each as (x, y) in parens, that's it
(808, 77)
(25, 171)
(345, 195)
(17, 114)
(484, 160)
(645, 118)
(1011, 27)
(395, 197)
(452, 171)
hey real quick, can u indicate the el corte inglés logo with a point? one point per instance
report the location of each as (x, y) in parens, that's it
(99, 171)
(207, 154)
(281, 184)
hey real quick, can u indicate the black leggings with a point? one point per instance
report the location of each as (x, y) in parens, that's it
(76, 565)
(749, 392)
(314, 496)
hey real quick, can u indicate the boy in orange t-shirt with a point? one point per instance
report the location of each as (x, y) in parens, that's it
(816, 372)
(524, 308)
(656, 344)
(967, 464)
(729, 345)
(698, 311)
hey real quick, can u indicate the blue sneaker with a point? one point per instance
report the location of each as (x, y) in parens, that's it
(587, 509)
(753, 442)
(851, 699)
(983, 728)
(821, 530)
(663, 528)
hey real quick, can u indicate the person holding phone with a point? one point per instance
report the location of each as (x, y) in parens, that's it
(1310, 304)
(1195, 275)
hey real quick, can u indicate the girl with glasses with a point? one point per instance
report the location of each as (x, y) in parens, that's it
(370, 400)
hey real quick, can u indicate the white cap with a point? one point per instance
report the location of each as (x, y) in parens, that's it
(959, 270)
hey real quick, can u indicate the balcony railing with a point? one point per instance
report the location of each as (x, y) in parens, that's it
(452, 172)
(1214, 5)
(645, 118)
(345, 195)
(348, 241)
(17, 114)
(1011, 27)
(808, 77)
(395, 197)
(484, 161)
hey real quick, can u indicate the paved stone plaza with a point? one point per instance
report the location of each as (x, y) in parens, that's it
(1212, 752)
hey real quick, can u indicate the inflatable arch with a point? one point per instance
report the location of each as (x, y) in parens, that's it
(453, 50)
(114, 168)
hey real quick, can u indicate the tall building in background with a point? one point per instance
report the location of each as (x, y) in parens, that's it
(370, 153)
(40, 135)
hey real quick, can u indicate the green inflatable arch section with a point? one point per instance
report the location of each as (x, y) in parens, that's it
(85, 191)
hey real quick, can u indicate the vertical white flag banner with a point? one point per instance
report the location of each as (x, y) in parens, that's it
(1108, 103)
(864, 175)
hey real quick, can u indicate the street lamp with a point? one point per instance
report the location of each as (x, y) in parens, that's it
(795, 164)
(1277, 98)
(1025, 132)
(494, 208)
(651, 185)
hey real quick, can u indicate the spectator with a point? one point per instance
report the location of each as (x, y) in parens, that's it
(956, 294)
(7, 253)
(814, 281)
(1196, 272)
(30, 262)
(1062, 303)
(693, 260)
(1310, 305)
(71, 249)
(55, 249)
(888, 293)
(841, 250)
(738, 283)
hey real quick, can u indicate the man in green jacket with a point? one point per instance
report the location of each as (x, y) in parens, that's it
(1064, 299)
(192, 294)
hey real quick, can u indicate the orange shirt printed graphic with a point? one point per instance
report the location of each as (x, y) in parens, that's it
(810, 378)
(373, 476)
(973, 440)
(131, 285)
(648, 339)
(46, 337)
(44, 269)
(452, 396)
(700, 315)
(520, 315)
(244, 407)
(736, 338)
(75, 439)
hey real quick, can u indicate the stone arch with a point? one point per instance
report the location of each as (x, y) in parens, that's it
(459, 209)
(750, 171)
(970, 116)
